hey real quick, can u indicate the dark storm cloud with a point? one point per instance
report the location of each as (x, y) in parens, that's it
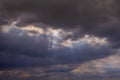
(23, 45)
(46, 11)
(96, 17)
(86, 15)
(60, 12)
(22, 51)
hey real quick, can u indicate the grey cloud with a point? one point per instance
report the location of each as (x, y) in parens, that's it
(96, 17)
(25, 51)
(61, 12)
(88, 16)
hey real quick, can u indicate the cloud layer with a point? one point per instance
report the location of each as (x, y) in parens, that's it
(50, 32)
(34, 46)
(96, 17)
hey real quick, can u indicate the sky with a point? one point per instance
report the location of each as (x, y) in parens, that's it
(59, 39)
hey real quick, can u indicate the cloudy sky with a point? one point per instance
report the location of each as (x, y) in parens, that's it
(59, 39)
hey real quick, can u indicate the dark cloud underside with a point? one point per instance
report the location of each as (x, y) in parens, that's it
(95, 17)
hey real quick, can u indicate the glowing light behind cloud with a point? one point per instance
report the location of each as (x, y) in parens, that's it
(87, 39)
(55, 36)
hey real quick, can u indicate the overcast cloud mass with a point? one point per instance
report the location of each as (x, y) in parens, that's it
(50, 39)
